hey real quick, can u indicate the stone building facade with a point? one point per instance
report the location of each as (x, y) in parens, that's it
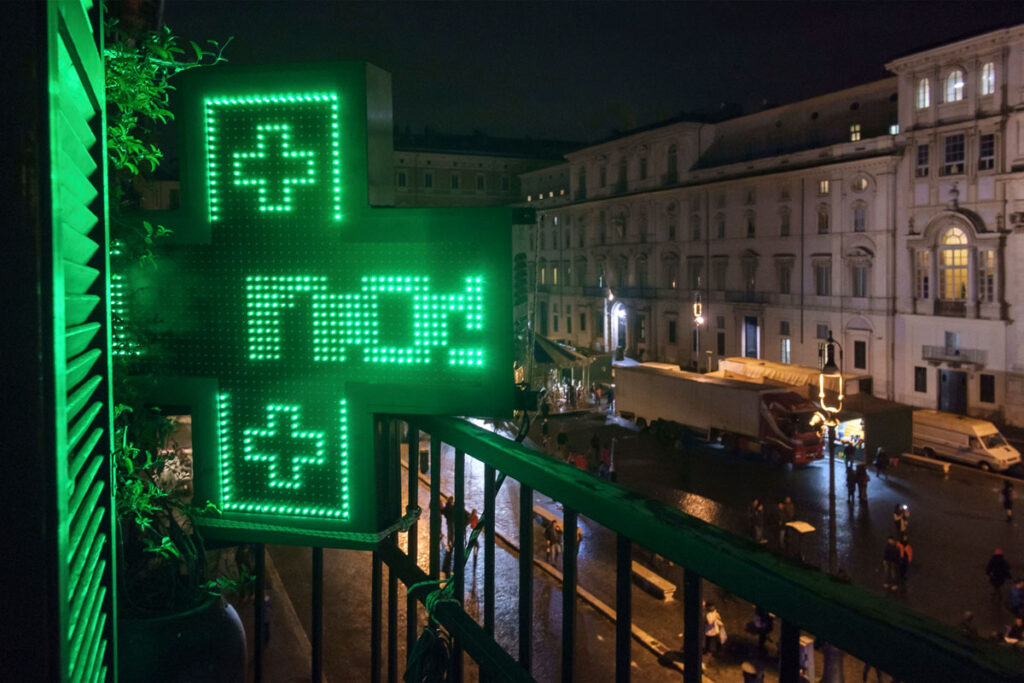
(889, 220)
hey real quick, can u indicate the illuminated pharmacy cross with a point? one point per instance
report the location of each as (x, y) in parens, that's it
(270, 443)
(314, 311)
(283, 135)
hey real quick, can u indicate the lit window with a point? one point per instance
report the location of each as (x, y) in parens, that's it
(955, 86)
(860, 184)
(953, 266)
(784, 355)
(987, 275)
(953, 162)
(823, 187)
(922, 161)
(922, 274)
(894, 129)
(988, 78)
(855, 132)
(986, 152)
(924, 98)
(550, 194)
(529, 197)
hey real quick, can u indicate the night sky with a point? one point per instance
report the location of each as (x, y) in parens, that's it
(580, 70)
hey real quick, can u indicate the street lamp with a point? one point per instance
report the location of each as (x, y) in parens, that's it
(698, 320)
(829, 418)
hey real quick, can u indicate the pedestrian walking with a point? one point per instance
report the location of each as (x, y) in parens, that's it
(851, 483)
(891, 564)
(901, 519)
(790, 508)
(473, 520)
(881, 461)
(756, 518)
(906, 557)
(1007, 495)
(780, 525)
(714, 631)
(849, 455)
(862, 482)
(762, 626)
(997, 570)
(1016, 600)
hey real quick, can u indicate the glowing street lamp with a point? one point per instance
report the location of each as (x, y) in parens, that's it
(829, 418)
(698, 320)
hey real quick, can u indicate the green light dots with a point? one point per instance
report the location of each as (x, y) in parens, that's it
(296, 137)
(359, 319)
(285, 467)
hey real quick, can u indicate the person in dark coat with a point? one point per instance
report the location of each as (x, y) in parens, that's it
(851, 483)
(906, 557)
(998, 571)
(891, 564)
(1007, 495)
(881, 461)
(862, 481)
(755, 514)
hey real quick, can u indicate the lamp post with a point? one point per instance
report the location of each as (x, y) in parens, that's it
(698, 320)
(829, 418)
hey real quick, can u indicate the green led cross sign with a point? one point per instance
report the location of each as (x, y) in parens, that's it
(290, 311)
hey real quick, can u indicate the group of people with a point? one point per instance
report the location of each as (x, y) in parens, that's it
(857, 476)
(785, 512)
(998, 572)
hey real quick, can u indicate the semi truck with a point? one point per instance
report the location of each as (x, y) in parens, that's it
(766, 420)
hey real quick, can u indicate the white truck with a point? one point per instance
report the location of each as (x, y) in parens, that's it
(962, 439)
(763, 419)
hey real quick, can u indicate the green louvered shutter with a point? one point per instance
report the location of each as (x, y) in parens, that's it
(81, 328)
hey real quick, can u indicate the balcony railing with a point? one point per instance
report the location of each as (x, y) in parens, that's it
(944, 355)
(737, 296)
(906, 644)
(952, 309)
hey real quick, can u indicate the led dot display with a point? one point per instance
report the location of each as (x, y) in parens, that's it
(292, 312)
(274, 153)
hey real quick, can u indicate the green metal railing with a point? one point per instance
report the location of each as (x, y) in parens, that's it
(908, 645)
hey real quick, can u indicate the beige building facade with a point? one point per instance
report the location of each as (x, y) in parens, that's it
(822, 215)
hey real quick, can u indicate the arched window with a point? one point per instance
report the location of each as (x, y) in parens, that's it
(859, 217)
(988, 78)
(823, 220)
(924, 95)
(953, 265)
(955, 86)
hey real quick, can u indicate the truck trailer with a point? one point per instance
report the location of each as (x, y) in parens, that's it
(767, 420)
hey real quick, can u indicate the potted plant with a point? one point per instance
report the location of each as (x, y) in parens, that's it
(173, 622)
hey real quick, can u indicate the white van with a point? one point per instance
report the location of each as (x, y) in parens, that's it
(966, 440)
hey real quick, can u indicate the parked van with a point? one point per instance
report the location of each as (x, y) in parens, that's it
(962, 439)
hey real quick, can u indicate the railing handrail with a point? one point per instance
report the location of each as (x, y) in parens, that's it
(916, 646)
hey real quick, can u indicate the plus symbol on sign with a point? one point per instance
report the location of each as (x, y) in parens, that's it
(283, 136)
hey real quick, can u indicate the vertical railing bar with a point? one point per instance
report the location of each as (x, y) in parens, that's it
(375, 620)
(568, 594)
(789, 653)
(259, 593)
(392, 620)
(435, 507)
(318, 615)
(411, 608)
(489, 493)
(459, 548)
(525, 576)
(623, 607)
(693, 630)
(489, 537)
